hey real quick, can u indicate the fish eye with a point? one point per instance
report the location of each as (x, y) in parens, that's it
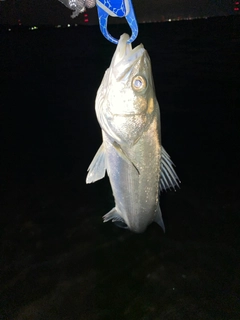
(139, 83)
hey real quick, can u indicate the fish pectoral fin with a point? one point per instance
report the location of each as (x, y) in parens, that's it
(158, 218)
(122, 154)
(168, 177)
(97, 168)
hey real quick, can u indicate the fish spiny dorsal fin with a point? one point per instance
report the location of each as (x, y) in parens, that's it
(168, 176)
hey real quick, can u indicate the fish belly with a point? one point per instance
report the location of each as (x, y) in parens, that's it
(136, 191)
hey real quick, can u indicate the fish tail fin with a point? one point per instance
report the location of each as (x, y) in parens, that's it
(158, 218)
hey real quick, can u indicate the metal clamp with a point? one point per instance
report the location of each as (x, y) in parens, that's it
(119, 9)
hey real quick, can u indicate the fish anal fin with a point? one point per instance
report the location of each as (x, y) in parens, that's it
(168, 177)
(97, 168)
(110, 215)
(116, 218)
(158, 218)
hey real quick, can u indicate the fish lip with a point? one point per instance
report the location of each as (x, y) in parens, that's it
(124, 50)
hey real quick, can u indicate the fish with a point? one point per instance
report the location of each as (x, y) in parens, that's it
(131, 153)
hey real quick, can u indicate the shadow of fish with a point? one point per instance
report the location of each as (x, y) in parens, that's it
(137, 165)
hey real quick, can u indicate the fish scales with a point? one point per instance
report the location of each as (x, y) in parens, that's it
(131, 153)
(136, 194)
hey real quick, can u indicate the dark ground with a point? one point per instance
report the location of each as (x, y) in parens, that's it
(58, 260)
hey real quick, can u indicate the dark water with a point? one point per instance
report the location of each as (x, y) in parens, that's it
(58, 260)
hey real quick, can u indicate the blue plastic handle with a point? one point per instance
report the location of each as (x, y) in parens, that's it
(120, 9)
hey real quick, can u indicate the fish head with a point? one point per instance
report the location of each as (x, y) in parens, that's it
(130, 78)
(125, 100)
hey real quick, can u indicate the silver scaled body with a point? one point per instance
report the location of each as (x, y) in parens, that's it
(131, 153)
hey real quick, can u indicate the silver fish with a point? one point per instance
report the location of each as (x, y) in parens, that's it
(137, 165)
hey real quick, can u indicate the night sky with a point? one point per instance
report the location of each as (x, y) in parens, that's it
(37, 12)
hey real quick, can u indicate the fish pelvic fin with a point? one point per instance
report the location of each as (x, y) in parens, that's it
(97, 168)
(158, 218)
(168, 177)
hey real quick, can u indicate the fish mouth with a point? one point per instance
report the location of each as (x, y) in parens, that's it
(124, 51)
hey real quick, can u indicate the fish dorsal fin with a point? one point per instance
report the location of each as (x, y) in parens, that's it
(158, 218)
(168, 177)
(97, 168)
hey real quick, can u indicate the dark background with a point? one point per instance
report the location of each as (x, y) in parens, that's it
(35, 12)
(58, 260)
